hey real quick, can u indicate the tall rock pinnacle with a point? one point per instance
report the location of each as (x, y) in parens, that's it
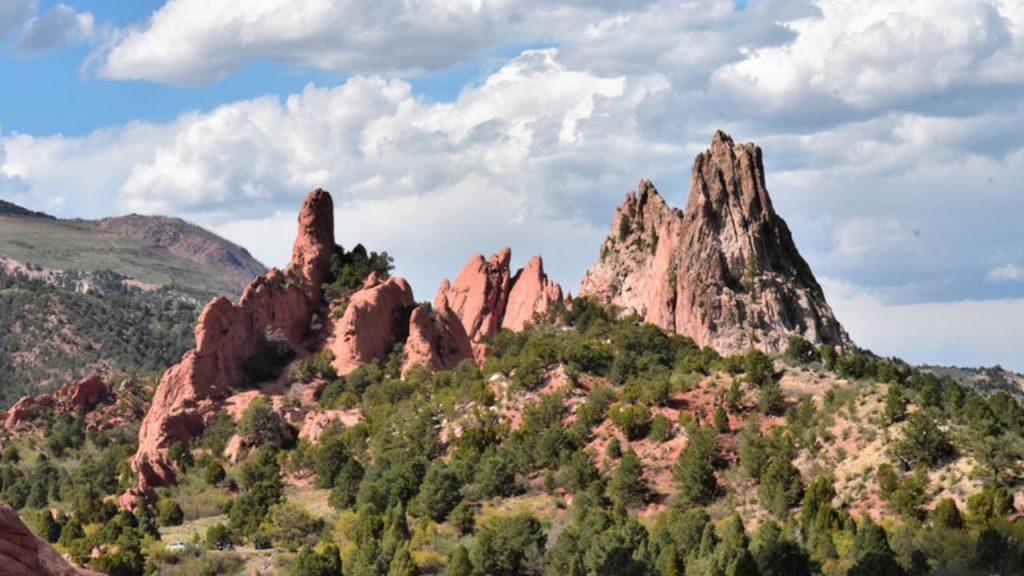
(315, 241)
(725, 272)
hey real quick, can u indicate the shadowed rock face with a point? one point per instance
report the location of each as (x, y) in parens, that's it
(227, 335)
(532, 295)
(22, 553)
(725, 272)
(437, 340)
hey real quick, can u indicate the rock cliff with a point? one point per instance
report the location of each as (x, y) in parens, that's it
(375, 319)
(227, 336)
(22, 553)
(724, 272)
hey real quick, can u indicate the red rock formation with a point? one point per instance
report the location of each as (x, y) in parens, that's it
(315, 423)
(725, 273)
(227, 335)
(22, 553)
(532, 295)
(84, 394)
(374, 321)
(313, 247)
(487, 298)
(437, 340)
(480, 293)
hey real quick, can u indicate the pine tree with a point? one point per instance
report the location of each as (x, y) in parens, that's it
(695, 472)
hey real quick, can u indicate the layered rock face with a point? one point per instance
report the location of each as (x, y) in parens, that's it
(374, 321)
(725, 272)
(22, 553)
(227, 335)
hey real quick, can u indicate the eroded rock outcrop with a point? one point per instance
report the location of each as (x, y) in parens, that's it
(83, 395)
(22, 553)
(486, 297)
(725, 272)
(227, 336)
(437, 339)
(375, 319)
(532, 295)
(480, 293)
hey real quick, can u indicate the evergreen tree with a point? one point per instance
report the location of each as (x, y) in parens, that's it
(695, 472)
(627, 488)
(781, 487)
(459, 564)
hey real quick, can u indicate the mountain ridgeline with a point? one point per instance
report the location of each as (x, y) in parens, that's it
(696, 409)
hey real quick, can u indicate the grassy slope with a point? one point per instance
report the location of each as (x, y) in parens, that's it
(68, 245)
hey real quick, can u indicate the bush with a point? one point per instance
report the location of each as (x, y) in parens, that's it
(260, 424)
(219, 537)
(661, 429)
(633, 419)
(800, 351)
(169, 513)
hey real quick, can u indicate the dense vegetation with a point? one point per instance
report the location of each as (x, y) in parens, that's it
(51, 332)
(436, 480)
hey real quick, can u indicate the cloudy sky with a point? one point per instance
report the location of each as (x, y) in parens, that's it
(892, 133)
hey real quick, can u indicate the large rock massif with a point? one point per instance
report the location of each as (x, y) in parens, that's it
(724, 272)
(282, 305)
(227, 336)
(22, 553)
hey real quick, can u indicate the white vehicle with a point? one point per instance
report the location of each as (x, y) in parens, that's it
(177, 547)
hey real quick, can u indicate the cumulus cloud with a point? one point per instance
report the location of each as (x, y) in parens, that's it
(897, 175)
(14, 13)
(1006, 273)
(58, 27)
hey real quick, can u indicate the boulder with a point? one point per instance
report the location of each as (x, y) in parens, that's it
(375, 319)
(83, 395)
(437, 339)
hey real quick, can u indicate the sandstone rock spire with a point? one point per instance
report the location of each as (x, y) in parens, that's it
(725, 272)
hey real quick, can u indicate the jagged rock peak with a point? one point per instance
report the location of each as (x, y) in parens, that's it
(315, 241)
(480, 293)
(532, 295)
(725, 272)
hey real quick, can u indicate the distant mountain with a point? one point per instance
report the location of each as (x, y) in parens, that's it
(80, 297)
(153, 251)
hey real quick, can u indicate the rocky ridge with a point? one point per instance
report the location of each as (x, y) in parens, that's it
(282, 306)
(22, 553)
(724, 272)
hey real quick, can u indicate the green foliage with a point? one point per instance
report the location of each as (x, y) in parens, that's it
(214, 473)
(895, 405)
(509, 547)
(313, 563)
(459, 564)
(923, 442)
(758, 368)
(260, 424)
(799, 351)
(627, 487)
(695, 473)
(349, 270)
(769, 398)
(272, 355)
(219, 537)
(291, 525)
(991, 503)
(169, 513)
(439, 493)
(781, 487)
(463, 518)
(661, 429)
(633, 419)
(947, 515)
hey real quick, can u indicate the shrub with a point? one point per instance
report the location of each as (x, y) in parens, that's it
(169, 513)
(661, 429)
(633, 419)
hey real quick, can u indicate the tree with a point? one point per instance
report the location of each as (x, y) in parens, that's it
(215, 473)
(459, 564)
(758, 367)
(169, 513)
(781, 487)
(778, 556)
(770, 399)
(310, 563)
(695, 472)
(402, 564)
(895, 405)
(721, 420)
(627, 488)
(49, 529)
(509, 547)
(923, 442)
(332, 455)
(463, 518)
(800, 351)
(260, 424)
(219, 537)
(439, 493)
(346, 485)
(633, 419)
(989, 504)
(947, 515)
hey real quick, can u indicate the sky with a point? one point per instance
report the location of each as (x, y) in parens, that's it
(891, 132)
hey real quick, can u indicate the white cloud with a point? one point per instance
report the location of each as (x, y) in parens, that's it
(964, 333)
(1006, 273)
(14, 13)
(58, 27)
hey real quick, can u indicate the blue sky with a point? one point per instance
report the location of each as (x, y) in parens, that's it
(444, 128)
